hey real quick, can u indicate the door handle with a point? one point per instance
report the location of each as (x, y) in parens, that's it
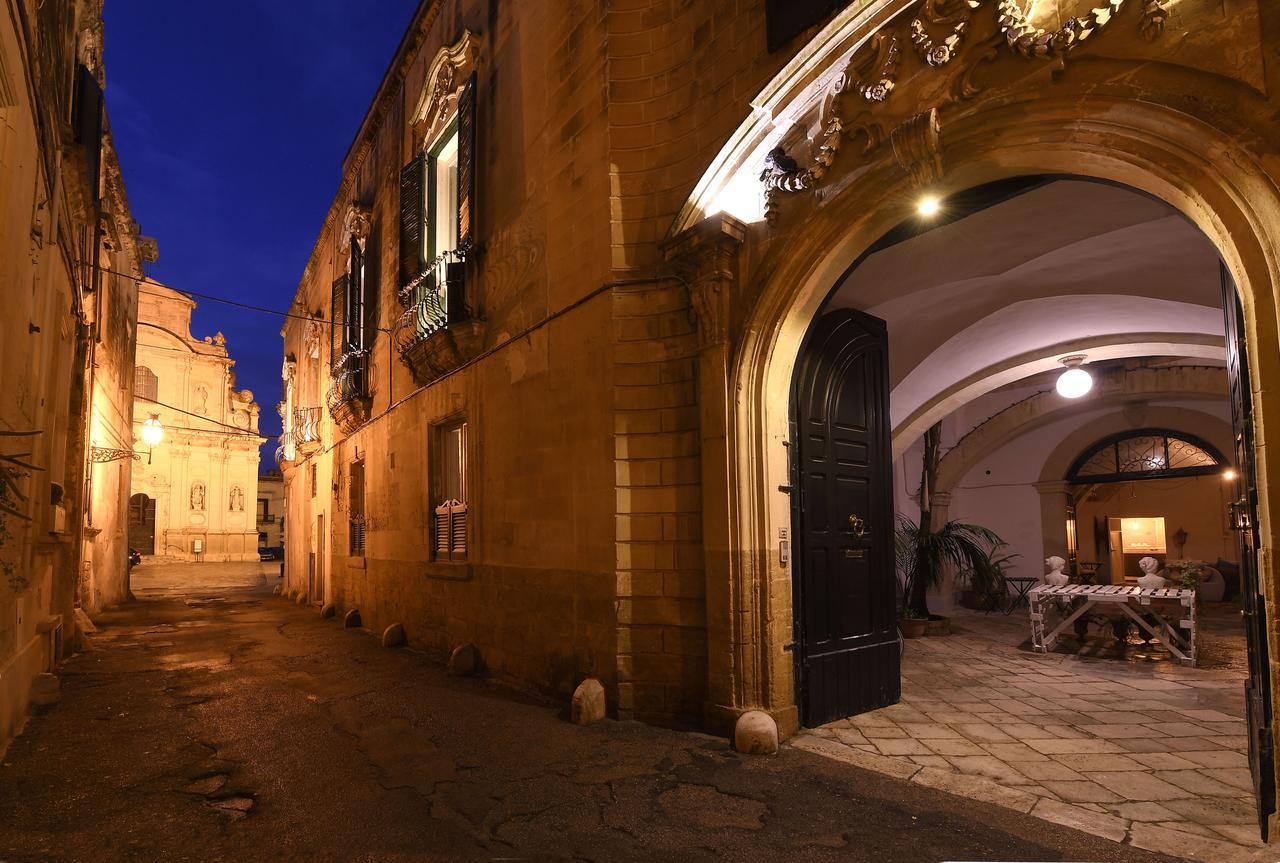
(858, 526)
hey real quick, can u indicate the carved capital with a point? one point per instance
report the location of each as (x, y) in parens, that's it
(917, 145)
(706, 257)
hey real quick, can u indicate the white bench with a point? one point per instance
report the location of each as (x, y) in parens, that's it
(1176, 632)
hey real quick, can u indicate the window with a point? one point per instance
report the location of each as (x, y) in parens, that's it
(264, 511)
(146, 385)
(441, 203)
(1146, 454)
(355, 506)
(450, 528)
(436, 223)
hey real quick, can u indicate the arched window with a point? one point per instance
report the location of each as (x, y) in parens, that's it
(145, 384)
(1146, 454)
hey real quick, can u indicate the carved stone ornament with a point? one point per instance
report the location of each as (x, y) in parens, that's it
(874, 69)
(312, 338)
(706, 258)
(1031, 41)
(954, 14)
(356, 223)
(918, 148)
(936, 31)
(288, 369)
(1154, 13)
(445, 77)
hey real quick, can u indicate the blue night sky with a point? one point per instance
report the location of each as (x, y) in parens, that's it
(231, 120)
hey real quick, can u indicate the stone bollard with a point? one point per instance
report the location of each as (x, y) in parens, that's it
(277, 590)
(464, 660)
(302, 598)
(755, 733)
(328, 611)
(352, 619)
(46, 690)
(393, 635)
(588, 703)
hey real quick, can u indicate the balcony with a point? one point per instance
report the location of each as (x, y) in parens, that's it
(348, 398)
(437, 333)
(305, 429)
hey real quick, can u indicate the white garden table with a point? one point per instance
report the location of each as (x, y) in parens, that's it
(1176, 632)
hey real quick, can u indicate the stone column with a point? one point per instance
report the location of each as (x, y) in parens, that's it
(944, 600)
(1053, 517)
(706, 258)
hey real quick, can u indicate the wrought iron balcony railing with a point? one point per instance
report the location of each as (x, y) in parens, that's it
(432, 301)
(286, 451)
(350, 380)
(305, 429)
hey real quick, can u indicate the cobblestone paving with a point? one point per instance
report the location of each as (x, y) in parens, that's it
(217, 723)
(1131, 746)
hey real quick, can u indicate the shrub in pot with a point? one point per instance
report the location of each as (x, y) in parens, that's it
(922, 555)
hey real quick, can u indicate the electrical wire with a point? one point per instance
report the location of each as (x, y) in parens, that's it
(245, 432)
(215, 299)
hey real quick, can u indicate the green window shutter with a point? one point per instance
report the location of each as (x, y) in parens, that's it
(467, 165)
(412, 218)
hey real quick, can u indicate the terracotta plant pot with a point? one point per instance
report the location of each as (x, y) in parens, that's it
(913, 627)
(937, 625)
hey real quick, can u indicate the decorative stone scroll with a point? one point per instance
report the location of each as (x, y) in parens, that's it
(941, 13)
(936, 32)
(1030, 41)
(356, 224)
(445, 78)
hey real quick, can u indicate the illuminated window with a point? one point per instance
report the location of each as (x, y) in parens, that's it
(1142, 535)
(1146, 454)
(146, 385)
(449, 538)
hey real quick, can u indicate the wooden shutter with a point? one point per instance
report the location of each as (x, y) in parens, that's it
(467, 165)
(450, 539)
(412, 218)
(337, 320)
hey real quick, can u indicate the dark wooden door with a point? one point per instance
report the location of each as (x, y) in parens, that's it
(142, 523)
(1244, 518)
(847, 647)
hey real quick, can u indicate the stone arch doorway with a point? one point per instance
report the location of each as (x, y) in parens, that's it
(142, 523)
(843, 164)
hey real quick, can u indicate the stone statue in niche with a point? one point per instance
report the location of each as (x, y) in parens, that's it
(197, 496)
(1056, 576)
(202, 399)
(1151, 578)
(236, 502)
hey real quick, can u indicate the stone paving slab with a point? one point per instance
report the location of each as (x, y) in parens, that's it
(1134, 748)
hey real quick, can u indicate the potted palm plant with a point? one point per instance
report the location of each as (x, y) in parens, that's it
(923, 555)
(985, 584)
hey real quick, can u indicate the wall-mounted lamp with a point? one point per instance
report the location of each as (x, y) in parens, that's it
(929, 206)
(152, 434)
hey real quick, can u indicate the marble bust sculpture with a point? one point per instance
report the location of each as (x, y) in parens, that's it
(1056, 576)
(1150, 579)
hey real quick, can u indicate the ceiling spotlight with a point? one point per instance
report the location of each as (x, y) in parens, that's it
(1228, 474)
(929, 206)
(1075, 381)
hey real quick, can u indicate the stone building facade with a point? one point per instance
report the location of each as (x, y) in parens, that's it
(194, 496)
(270, 515)
(539, 382)
(69, 252)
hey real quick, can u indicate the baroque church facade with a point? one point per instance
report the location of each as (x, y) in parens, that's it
(194, 496)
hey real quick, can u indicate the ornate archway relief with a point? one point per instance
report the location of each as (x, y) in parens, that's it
(445, 78)
(1117, 388)
(869, 75)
